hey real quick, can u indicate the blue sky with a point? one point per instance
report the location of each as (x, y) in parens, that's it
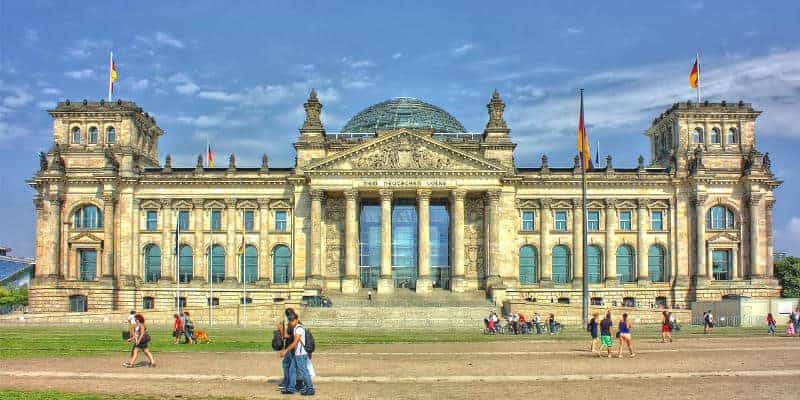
(238, 74)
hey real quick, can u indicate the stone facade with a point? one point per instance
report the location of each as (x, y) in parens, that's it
(699, 214)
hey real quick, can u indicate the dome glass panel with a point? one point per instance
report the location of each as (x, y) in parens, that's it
(403, 112)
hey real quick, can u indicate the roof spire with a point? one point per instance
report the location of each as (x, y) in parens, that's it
(312, 126)
(496, 127)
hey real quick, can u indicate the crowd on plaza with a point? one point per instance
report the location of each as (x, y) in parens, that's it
(517, 324)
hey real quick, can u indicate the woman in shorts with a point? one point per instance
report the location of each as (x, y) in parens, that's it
(141, 341)
(625, 336)
(666, 330)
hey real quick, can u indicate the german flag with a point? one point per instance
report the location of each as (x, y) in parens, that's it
(694, 76)
(583, 141)
(210, 157)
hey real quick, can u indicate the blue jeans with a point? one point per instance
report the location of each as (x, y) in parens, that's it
(771, 329)
(286, 363)
(300, 366)
(538, 328)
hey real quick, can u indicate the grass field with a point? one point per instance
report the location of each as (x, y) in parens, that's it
(71, 341)
(52, 395)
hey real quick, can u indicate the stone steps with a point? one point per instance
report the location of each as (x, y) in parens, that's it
(396, 317)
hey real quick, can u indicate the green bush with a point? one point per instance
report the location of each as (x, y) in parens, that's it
(788, 274)
(13, 296)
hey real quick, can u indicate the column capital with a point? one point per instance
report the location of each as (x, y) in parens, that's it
(230, 202)
(166, 203)
(699, 199)
(55, 200)
(545, 202)
(423, 194)
(459, 194)
(643, 202)
(754, 198)
(38, 202)
(263, 202)
(317, 194)
(576, 203)
(770, 203)
(493, 195)
(386, 194)
(351, 194)
(198, 203)
(109, 197)
(610, 203)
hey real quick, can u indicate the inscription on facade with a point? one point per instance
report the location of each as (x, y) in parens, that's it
(394, 183)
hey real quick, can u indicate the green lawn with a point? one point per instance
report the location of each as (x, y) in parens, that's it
(69, 341)
(51, 395)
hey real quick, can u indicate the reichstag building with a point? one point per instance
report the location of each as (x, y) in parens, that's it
(403, 199)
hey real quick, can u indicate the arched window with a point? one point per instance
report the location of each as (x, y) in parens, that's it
(698, 136)
(527, 265)
(88, 217)
(185, 264)
(281, 258)
(719, 218)
(248, 265)
(716, 136)
(152, 263)
(732, 138)
(78, 303)
(76, 135)
(560, 264)
(656, 263)
(93, 135)
(217, 268)
(594, 256)
(111, 135)
(626, 268)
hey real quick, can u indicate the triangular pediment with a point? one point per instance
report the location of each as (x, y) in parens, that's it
(85, 237)
(724, 237)
(405, 151)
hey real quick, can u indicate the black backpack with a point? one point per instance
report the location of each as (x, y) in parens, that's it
(277, 340)
(309, 344)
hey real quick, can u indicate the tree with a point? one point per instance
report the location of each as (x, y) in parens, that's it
(788, 273)
(13, 296)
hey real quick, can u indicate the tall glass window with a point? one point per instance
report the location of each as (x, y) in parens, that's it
(719, 217)
(370, 244)
(624, 220)
(656, 263)
(249, 220)
(76, 135)
(111, 135)
(88, 217)
(698, 135)
(560, 264)
(527, 265)
(593, 221)
(185, 264)
(87, 268)
(657, 220)
(281, 257)
(528, 221)
(626, 269)
(217, 270)
(594, 264)
(93, 135)
(183, 220)
(248, 264)
(716, 136)
(216, 220)
(440, 243)
(152, 263)
(721, 260)
(561, 221)
(280, 221)
(404, 244)
(732, 136)
(152, 220)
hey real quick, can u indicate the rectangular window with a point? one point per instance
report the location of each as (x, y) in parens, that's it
(87, 268)
(183, 220)
(527, 221)
(561, 221)
(77, 303)
(152, 220)
(593, 221)
(657, 220)
(624, 220)
(249, 220)
(721, 260)
(148, 303)
(280, 221)
(216, 220)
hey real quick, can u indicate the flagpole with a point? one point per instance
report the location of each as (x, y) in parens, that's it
(175, 262)
(210, 286)
(585, 283)
(110, 82)
(698, 77)
(244, 272)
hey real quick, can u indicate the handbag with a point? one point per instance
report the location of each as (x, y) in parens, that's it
(126, 335)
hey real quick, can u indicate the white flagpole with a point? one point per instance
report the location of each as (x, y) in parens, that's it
(698, 77)
(110, 82)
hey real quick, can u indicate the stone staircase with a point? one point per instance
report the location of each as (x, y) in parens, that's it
(403, 309)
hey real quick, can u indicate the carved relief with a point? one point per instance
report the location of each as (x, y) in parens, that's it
(334, 236)
(474, 251)
(405, 153)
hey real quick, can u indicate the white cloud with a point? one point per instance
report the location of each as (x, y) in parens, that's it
(574, 31)
(787, 238)
(357, 84)
(140, 84)
(86, 47)
(80, 74)
(219, 95)
(395, 56)
(51, 91)
(8, 132)
(203, 121)
(185, 85)
(44, 105)
(160, 39)
(31, 37)
(18, 99)
(463, 48)
(357, 63)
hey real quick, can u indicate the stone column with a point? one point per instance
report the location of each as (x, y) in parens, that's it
(577, 243)
(756, 264)
(681, 234)
(610, 252)
(770, 264)
(641, 243)
(166, 223)
(424, 283)
(231, 254)
(493, 239)
(108, 236)
(457, 280)
(315, 279)
(385, 284)
(55, 249)
(702, 271)
(198, 270)
(350, 283)
(544, 247)
(264, 264)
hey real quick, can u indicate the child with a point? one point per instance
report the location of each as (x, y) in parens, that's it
(177, 331)
(770, 324)
(790, 328)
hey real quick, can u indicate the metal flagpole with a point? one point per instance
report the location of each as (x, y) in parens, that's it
(110, 82)
(698, 77)
(585, 283)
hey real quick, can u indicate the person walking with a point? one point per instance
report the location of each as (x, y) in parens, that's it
(131, 323)
(770, 324)
(288, 358)
(625, 337)
(188, 328)
(141, 341)
(369, 294)
(796, 319)
(551, 324)
(708, 322)
(300, 365)
(177, 328)
(790, 327)
(666, 328)
(606, 328)
(594, 332)
(537, 322)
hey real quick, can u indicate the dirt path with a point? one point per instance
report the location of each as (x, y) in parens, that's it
(721, 368)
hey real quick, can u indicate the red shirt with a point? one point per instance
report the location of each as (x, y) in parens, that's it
(521, 318)
(178, 324)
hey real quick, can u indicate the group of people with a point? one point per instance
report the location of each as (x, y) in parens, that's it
(183, 326)
(792, 326)
(602, 334)
(518, 324)
(295, 359)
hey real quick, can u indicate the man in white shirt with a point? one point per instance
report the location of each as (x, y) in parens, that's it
(300, 360)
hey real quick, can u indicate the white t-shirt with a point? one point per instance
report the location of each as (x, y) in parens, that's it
(300, 350)
(132, 319)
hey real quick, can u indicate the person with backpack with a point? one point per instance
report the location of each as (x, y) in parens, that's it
(301, 346)
(592, 327)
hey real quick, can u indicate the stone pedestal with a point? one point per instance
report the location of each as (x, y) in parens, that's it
(314, 282)
(494, 281)
(611, 282)
(350, 285)
(385, 286)
(458, 284)
(424, 286)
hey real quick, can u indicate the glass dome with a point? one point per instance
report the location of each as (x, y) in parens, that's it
(403, 112)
